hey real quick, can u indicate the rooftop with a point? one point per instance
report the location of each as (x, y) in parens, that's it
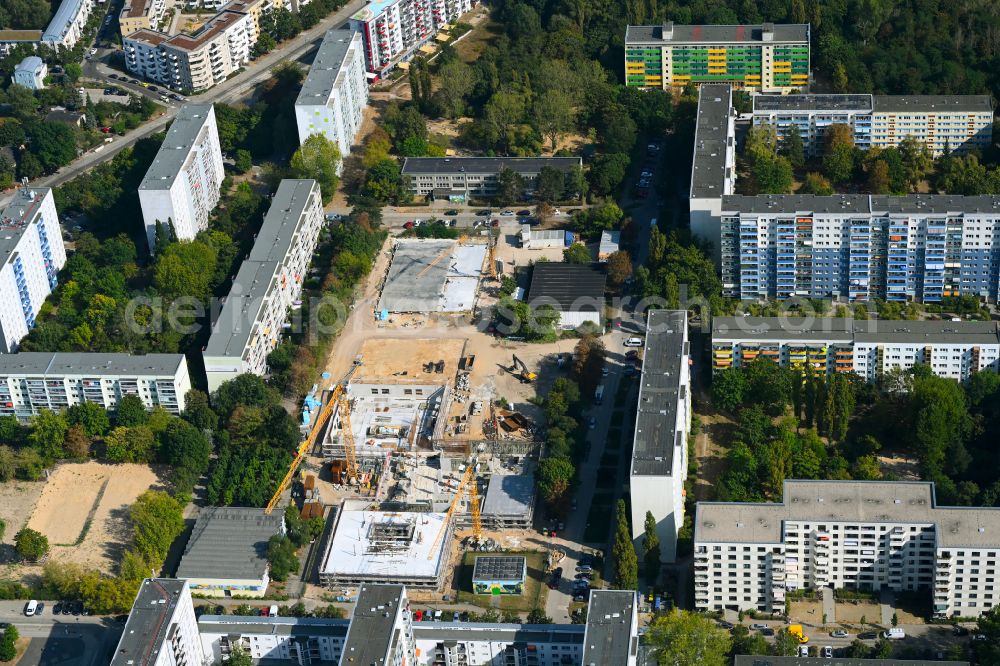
(509, 495)
(20, 35)
(184, 132)
(568, 287)
(833, 329)
(660, 389)
(283, 218)
(747, 660)
(938, 332)
(486, 165)
(673, 33)
(373, 632)
(432, 276)
(149, 622)
(860, 204)
(82, 363)
(711, 141)
(218, 23)
(382, 545)
(232, 330)
(63, 18)
(608, 638)
(136, 8)
(830, 329)
(503, 567)
(847, 501)
(325, 68)
(812, 103)
(23, 209)
(229, 543)
(933, 103)
(30, 64)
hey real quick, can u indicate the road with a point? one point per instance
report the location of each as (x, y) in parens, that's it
(235, 88)
(62, 640)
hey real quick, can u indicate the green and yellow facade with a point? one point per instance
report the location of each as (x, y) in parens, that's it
(768, 58)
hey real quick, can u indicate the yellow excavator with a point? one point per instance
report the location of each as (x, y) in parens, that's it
(521, 371)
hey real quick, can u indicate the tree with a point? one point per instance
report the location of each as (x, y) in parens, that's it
(157, 519)
(281, 556)
(816, 184)
(48, 432)
(197, 411)
(538, 616)
(129, 445)
(53, 144)
(883, 649)
(793, 148)
(589, 357)
(130, 412)
(318, 158)
(988, 651)
(786, 644)
(577, 253)
(77, 443)
(729, 388)
(838, 164)
(91, 417)
(626, 574)
(551, 185)
(772, 175)
(553, 115)
(838, 135)
(8, 643)
(619, 267)
(502, 113)
(554, 477)
(761, 143)
(244, 160)
(30, 544)
(461, 80)
(684, 638)
(8, 463)
(510, 185)
(878, 178)
(22, 102)
(651, 550)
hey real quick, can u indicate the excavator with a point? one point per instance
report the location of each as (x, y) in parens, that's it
(521, 371)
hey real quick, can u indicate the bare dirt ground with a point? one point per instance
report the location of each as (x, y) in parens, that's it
(383, 359)
(483, 33)
(17, 501)
(904, 469)
(710, 453)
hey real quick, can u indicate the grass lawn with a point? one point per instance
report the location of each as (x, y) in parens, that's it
(471, 45)
(534, 593)
(600, 517)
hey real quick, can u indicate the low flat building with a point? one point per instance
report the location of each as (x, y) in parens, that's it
(543, 239)
(612, 635)
(576, 291)
(499, 574)
(226, 554)
(33, 381)
(442, 177)
(509, 502)
(267, 285)
(31, 73)
(610, 243)
(67, 24)
(161, 629)
(10, 39)
(662, 425)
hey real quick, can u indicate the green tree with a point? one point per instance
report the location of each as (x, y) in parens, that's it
(48, 432)
(243, 161)
(988, 651)
(940, 423)
(129, 445)
(538, 616)
(239, 657)
(684, 638)
(198, 412)
(786, 644)
(30, 544)
(577, 253)
(619, 267)
(772, 175)
(553, 115)
(91, 417)
(793, 148)
(318, 158)
(554, 477)
(883, 650)
(281, 556)
(510, 185)
(838, 164)
(626, 572)
(77, 444)
(878, 178)
(502, 114)
(54, 144)
(8, 643)
(131, 411)
(651, 549)
(157, 519)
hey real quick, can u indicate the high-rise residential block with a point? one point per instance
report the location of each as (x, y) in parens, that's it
(381, 629)
(161, 629)
(335, 93)
(32, 254)
(67, 25)
(182, 185)
(769, 57)
(267, 285)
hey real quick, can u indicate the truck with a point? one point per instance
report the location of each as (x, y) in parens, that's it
(599, 395)
(796, 630)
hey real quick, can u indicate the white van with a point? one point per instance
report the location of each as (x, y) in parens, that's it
(894, 633)
(633, 342)
(272, 611)
(30, 608)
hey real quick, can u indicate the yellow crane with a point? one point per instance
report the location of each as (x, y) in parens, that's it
(310, 440)
(491, 256)
(441, 255)
(348, 436)
(468, 483)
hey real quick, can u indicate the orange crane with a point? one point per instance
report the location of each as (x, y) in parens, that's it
(348, 436)
(441, 255)
(492, 256)
(310, 440)
(468, 482)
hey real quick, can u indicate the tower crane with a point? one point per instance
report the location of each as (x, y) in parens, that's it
(348, 436)
(468, 483)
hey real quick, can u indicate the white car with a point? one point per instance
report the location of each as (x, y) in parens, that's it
(827, 652)
(93, 52)
(507, 213)
(803, 650)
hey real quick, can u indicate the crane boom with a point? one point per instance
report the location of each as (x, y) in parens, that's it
(348, 436)
(477, 524)
(470, 474)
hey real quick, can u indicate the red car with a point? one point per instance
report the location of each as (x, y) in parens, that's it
(418, 616)
(409, 225)
(106, 130)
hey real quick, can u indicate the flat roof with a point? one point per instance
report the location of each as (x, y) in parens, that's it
(373, 633)
(136, 8)
(832, 329)
(326, 67)
(665, 354)
(209, 30)
(486, 165)
(149, 622)
(711, 141)
(715, 34)
(752, 660)
(283, 218)
(568, 287)
(608, 638)
(387, 545)
(499, 567)
(923, 332)
(860, 204)
(229, 543)
(830, 102)
(933, 103)
(84, 363)
(272, 626)
(24, 208)
(176, 147)
(232, 330)
(905, 502)
(432, 275)
(20, 35)
(510, 495)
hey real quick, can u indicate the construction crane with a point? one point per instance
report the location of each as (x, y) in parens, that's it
(348, 437)
(441, 255)
(310, 440)
(468, 483)
(491, 256)
(522, 372)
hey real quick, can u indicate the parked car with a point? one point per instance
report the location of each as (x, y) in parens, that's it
(508, 213)
(839, 633)
(30, 608)
(582, 576)
(867, 636)
(725, 625)
(584, 568)
(803, 650)
(40, 608)
(767, 632)
(451, 211)
(409, 225)
(758, 626)
(592, 423)
(455, 617)
(979, 637)
(485, 211)
(895, 633)
(418, 616)
(112, 76)
(580, 597)
(827, 652)
(523, 213)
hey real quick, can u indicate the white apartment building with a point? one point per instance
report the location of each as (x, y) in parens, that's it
(381, 630)
(335, 93)
(870, 348)
(33, 381)
(394, 29)
(713, 166)
(267, 285)
(66, 27)
(943, 123)
(195, 62)
(663, 420)
(865, 535)
(183, 183)
(32, 254)
(31, 73)
(612, 635)
(161, 629)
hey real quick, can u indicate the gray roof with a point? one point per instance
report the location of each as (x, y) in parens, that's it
(812, 103)
(326, 67)
(149, 622)
(63, 18)
(715, 34)
(229, 543)
(831, 329)
(860, 204)
(247, 625)
(486, 165)
(924, 332)
(834, 329)
(509, 495)
(281, 223)
(659, 391)
(933, 103)
(22, 210)
(711, 139)
(499, 567)
(248, 295)
(30, 64)
(748, 660)
(847, 501)
(568, 287)
(94, 364)
(176, 146)
(371, 635)
(609, 639)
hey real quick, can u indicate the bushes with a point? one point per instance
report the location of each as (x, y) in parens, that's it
(31, 545)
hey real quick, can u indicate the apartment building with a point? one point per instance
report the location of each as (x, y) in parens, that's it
(870, 348)
(182, 185)
(335, 93)
(267, 285)
(33, 381)
(612, 635)
(32, 254)
(193, 62)
(66, 27)
(394, 29)
(663, 420)
(943, 123)
(11, 39)
(767, 58)
(713, 165)
(141, 15)
(31, 73)
(161, 629)
(464, 177)
(865, 535)
(381, 630)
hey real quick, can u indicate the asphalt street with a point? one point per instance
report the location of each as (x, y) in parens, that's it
(62, 640)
